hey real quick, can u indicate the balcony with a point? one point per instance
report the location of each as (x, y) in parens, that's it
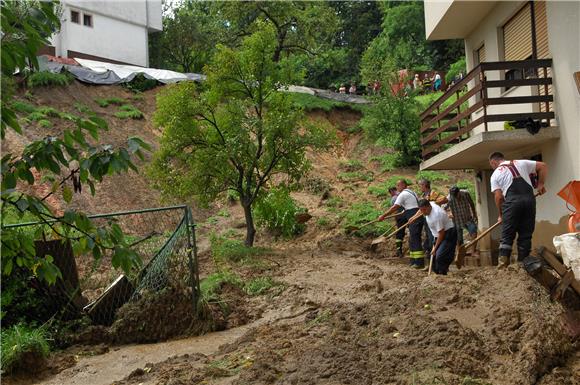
(460, 128)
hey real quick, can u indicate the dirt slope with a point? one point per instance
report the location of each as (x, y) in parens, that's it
(346, 315)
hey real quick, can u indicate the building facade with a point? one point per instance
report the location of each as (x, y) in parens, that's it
(518, 97)
(115, 31)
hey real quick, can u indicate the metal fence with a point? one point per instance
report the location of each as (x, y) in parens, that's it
(165, 240)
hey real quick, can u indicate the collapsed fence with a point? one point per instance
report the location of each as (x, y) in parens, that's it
(164, 238)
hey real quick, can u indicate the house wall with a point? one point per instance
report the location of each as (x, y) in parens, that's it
(562, 156)
(119, 32)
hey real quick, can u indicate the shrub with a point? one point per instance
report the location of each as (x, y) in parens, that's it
(23, 107)
(83, 108)
(128, 111)
(380, 191)
(45, 78)
(234, 250)
(48, 111)
(360, 213)
(36, 116)
(455, 69)
(23, 346)
(140, 83)
(104, 102)
(316, 185)
(351, 165)
(276, 211)
(388, 161)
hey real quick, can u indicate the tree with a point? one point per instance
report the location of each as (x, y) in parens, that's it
(238, 133)
(70, 161)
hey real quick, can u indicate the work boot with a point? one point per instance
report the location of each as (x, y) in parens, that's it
(399, 253)
(503, 262)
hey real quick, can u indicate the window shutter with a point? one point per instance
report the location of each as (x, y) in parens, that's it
(517, 35)
(481, 54)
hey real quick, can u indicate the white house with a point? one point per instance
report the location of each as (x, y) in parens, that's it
(521, 59)
(114, 31)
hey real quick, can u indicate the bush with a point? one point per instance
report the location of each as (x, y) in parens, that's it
(105, 102)
(128, 111)
(22, 347)
(45, 78)
(455, 69)
(233, 250)
(140, 83)
(276, 211)
(23, 107)
(388, 161)
(361, 213)
(351, 165)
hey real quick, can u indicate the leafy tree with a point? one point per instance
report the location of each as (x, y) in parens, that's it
(69, 160)
(237, 133)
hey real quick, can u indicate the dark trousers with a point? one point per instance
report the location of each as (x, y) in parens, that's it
(428, 242)
(518, 217)
(445, 253)
(400, 234)
(415, 230)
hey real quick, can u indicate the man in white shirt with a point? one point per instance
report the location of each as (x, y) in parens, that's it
(513, 189)
(409, 201)
(443, 230)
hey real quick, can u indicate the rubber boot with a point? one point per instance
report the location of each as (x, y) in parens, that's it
(503, 262)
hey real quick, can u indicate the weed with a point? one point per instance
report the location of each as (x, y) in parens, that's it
(316, 185)
(19, 343)
(105, 102)
(388, 162)
(45, 78)
(320, 318)
(36, 116)
(380, 191)
(432, 176)
(49, 111)
(137, 97)
(224, 213)
(19, 106)
(28, 95)
(260, 285)
(83, 108)
(351, 165)
(128, 111)
(233, 250)
(324, 222)
(310, 102)
(211, 285)
(360, 213)
(69, 116)
(334, 202)
(277, 212)
(44, 123)
(354, 176)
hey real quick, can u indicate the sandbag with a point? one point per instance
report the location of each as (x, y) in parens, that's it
(568, 246)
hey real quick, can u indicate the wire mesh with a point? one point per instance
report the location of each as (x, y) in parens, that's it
(162, 237)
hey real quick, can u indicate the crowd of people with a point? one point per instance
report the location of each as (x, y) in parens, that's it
(437, 222)
(427, 84)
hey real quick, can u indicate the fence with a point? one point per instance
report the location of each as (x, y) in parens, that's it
(165, 240)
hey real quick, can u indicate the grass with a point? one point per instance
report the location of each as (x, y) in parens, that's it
(83, 108)
(351, 165)
(18, 342)
(23, 107)
(211, 285)
(352, 176)
(388, 162)
(260, 285)
(320, 318)
(360, 213)
(128, 111)
(232, 250)
(380, 191)
(432, 176)
(44, 123)
(334, 202)
(47, 79)
(310, 102)
(48, 111)
(105, 102)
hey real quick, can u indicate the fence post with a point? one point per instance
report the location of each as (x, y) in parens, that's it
(192, 247)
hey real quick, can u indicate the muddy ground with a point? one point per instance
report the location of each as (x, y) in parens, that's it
(341, 314)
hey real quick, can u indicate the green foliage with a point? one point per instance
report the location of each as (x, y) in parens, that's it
(455, 69)
(387, 161)
(276, 211)
(393, 179)
(48, 112)
(48, 79)
(235, 135)
(469, 186)
(360, 213)
(211, 285)
(394, 121)
(141, 84)
(82, 108)
(380, 191)
(128, 111)
(44, 123)
(19, 343)
(354, 176)
(232, 250)
(36, 116)
(260, 285)
(312, 103)
(432, 176)
(19, 106)
(351, 165)
(105, 102)
(324, 222)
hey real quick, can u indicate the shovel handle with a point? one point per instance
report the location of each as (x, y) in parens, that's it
(483, 234)
(410, 221)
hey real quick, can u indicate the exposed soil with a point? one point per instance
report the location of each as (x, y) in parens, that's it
(345, 315)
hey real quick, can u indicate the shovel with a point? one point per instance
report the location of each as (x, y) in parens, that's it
(383, 237)
(462, 249)
(352, 228)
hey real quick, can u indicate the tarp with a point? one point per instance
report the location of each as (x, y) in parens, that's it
(346, 98)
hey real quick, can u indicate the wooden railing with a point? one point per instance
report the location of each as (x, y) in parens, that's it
(448, 120)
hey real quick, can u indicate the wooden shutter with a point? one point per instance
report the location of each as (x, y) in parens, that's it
(542, 45)
(481, 54)
(517, 35)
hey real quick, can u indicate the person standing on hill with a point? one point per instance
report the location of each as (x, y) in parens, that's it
(437, 82)
(400, 221)
(409, 201)
(513, 189)
(416, 82)
(463, 213)
(443, 231)
(432, 196)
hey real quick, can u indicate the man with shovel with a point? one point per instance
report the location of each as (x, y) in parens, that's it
(444, 233)
(409, 201)
(513, 191)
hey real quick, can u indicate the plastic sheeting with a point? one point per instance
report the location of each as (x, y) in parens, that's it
(568, 246)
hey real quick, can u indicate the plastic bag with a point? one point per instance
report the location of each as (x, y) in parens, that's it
(568, 246)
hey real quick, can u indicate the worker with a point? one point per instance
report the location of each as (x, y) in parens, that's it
(442, 228)
(409, 201)
(439, 199)
(513, 189)
(463, 213)
(400, 221)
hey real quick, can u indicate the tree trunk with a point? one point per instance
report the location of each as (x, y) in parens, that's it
(250, 229)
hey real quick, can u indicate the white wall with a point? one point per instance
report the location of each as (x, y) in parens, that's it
(131, 11)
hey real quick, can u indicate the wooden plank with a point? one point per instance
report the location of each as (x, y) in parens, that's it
(560, 289)
(517, 82)
(520, 116)
(558, 266)
(508, 65)
(447, 112)
(519, 100)
(464, 130)
(451, 122)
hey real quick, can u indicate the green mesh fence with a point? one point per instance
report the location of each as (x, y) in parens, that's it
(164, 238)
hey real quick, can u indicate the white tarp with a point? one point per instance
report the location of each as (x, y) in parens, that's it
(127, 72)
(568, 246)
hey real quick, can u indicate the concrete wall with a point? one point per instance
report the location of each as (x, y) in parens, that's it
(119, 32)
(562, 156)
(434, 12)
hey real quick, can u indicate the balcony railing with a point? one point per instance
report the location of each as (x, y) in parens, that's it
(449, 120)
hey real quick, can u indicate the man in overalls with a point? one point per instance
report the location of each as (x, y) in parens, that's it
(409, 201)
(511, 184)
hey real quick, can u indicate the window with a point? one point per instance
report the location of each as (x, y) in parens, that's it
(75, 17)
(87, 20)
(480, 54)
